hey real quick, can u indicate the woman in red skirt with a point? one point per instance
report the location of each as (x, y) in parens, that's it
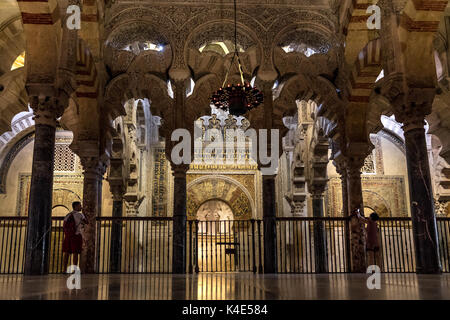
(73, 240)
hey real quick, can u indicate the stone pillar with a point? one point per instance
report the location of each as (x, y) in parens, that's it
(344, 182)
(343, 172)
(354, 186)
(421, 195)
(320, 247)
(40, 203)
(116, 232)
(92, 193)
(357, 227)
(270, 227)
(179, 219)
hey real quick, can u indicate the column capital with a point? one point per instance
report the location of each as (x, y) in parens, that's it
(117, 191)
(268, 176)
(414, 108)
(93, 167)
(179, 170)
(46, 110)
(411, 105)
(340, 168)
(268, 76)
(318, 189)
(297, 208)
(179, 74)
(354, 170)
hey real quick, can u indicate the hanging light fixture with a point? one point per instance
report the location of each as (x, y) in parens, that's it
(237, 99)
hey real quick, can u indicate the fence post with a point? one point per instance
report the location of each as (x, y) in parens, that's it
(116, 236)
(179, 219)
(260, 266)
(197, 270)
(253, 245)
(270, 227)
(320, 252)
(190, 247)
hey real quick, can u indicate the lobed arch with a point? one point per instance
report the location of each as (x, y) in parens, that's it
(312, 34)
(11, 150)
(222, 188)
(323, 19)
(142, 61)
(156, 26)
(13, 97)
(204, 63)
(125, 87)
(294, 88)
(221, 30)
(305, 87)
(199, 103)
(13, 41)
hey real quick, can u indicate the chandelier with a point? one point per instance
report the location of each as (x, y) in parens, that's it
(237, 99)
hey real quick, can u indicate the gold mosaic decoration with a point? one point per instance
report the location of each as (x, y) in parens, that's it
(221, 189)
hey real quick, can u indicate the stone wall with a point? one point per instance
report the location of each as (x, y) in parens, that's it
(68, 180)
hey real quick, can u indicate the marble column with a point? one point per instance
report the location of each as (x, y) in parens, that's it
(116, 233)
(354, 187)
(270, 227)
(179, 219)
(422, 202)
(345, 213)
(92, 193)
(320, 247)
(357, 227)
(41, 190)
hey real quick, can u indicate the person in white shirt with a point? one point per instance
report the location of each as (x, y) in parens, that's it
(73, 239)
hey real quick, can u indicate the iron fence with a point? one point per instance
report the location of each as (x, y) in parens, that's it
(56, 242)
(396, 246)
(134, 245)
(312, 245)
(13, 232)
(225, 246)
(304, 245)
(443, 227)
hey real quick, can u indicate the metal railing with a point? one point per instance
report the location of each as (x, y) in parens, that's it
(56, 242)
(397, 246)
(312, 245)
(304, 245)
(134, 245)
(13, 234)
(443, 228)
(224, 246)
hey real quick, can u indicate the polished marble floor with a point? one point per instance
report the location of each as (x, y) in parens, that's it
(223, 286)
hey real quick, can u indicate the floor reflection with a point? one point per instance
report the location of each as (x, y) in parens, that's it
(225, 286)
